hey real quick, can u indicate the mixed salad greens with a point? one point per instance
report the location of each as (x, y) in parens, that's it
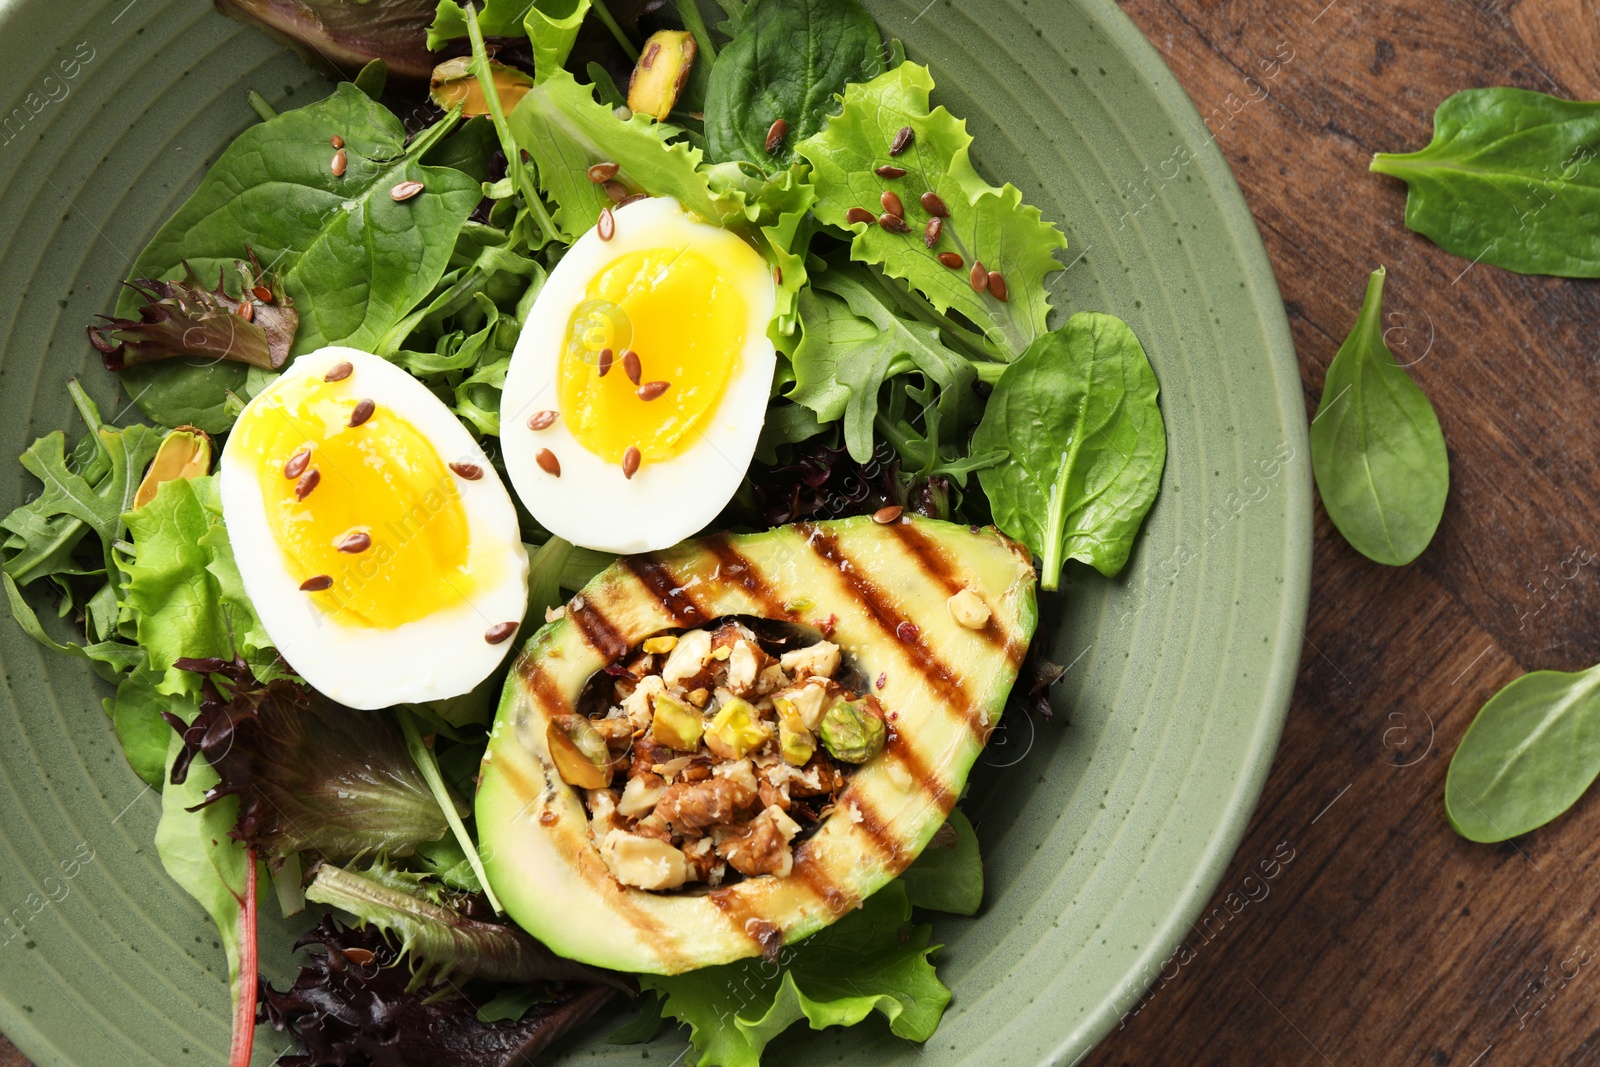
(474, 146)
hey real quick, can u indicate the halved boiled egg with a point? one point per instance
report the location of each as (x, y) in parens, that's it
(639, 385)
(378, 546)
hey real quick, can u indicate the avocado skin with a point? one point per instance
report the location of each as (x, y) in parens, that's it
(880, 592)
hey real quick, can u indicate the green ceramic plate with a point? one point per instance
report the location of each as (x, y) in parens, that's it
(1104, 831)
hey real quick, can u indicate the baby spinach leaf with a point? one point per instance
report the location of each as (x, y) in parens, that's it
(948, 876)
(985, 223)
(566, 131)
(1078, 414)
(1510, 178)
(354, 260)
(1376, 447)
(851, 344)
(788, 61)
(1532, 751)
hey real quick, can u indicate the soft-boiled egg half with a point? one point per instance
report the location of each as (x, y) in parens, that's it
(376, 543)
(639, 385)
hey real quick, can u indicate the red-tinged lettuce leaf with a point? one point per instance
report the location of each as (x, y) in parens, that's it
(309, 773)
(443, 944)
(183, 319)
(341, 37)
(353, 1006)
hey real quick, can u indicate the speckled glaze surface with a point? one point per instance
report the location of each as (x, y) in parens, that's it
(1104, 830)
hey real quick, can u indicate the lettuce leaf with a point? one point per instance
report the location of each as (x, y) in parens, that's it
(871, 960)
(986, 223)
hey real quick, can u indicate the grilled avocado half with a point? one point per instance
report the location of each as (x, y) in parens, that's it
(885, 591)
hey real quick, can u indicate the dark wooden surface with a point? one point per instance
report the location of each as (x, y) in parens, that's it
(1353, 927)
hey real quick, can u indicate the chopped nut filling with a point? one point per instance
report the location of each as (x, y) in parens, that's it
(718, 753)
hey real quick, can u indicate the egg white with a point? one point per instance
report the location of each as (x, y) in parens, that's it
(441, 655)
(593, 503)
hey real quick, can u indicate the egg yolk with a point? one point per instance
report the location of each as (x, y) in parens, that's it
(383, 479)
(684, 318)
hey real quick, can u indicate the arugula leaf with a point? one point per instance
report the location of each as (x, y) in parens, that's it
(566, 131)
(218, 872)
(851, 344)
(948, 876)
(1510, 178)
(1078, 414)
(1376, 448)
(788, 61)
(353, 260)
(986, 223)
(1528, 756)
(872, 959)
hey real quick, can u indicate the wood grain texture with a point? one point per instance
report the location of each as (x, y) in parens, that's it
(1353, 927)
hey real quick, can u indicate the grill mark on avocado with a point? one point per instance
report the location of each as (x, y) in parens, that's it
(598, 631)
(918, 656)
(542, 686)
(935, 562)
(836, 898)
(734, 568)
(742, 916)
(875, 826)
(923, 777)
(672, 594)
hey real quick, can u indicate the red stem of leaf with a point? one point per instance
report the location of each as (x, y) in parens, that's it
(244, 1009)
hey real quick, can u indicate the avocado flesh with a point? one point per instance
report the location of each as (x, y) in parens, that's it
(885, 588)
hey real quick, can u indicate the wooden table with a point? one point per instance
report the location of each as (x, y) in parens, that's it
(1386, 939)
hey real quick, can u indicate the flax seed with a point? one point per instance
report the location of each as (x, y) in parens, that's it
(499, 632)
(893, 223)
(651, 390)
(934, 205)
(405, 191)
(247, 311)
(997, 286)
(889, 171)
(359, 541)
(469, 471)
(262, 293)
(884, 516)
(340, 161)
(542, 420)
(607, 226)
(631, 366)
(316, 584)
(952, 260)
(338, 372)
(979, 278)
(930, 234)
(605, 361)
(548, 462)
(902, 140)
(601, 173)
(891, 203)
(363, 411)
(630, 462)
(308, 481)
(336, 141)
(775, 135)
(860, 214)
(296, 464)
(634, 199)
(616, 191)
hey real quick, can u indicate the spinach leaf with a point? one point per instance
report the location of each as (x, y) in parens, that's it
(1078, 414)
(985, 223)
(1510, 178)
(1532, 751)
(948, 876)
(788, 61)
(1376, 447)
(851, 344)
(353, 260)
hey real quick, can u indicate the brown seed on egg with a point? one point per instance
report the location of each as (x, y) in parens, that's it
(542, 420)
(548, 462)
(933, 205)
(316, 584)
(359, 541)
(952, 260)
(631, 366)
(607, 226)
(405, 191)
(604, 362)
(997, 286)
(930, 233)
(601, 173)
(340, 161)
(860, 214)
(884, 516)
(469, 471)
(630, 462)
(338, 372)
(889, 171)
(891, 203)
(363, 411)
(499, 632)
(775, 135)
(902, 140)
(651, 390)
(308, 481)
(296, 464)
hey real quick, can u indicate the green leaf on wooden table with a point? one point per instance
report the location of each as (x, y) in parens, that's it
(1532, 751)
(353, 259)
(1376, 447)
(789, 60)
(1511, 178)
(1078, 414)
(986, 223)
